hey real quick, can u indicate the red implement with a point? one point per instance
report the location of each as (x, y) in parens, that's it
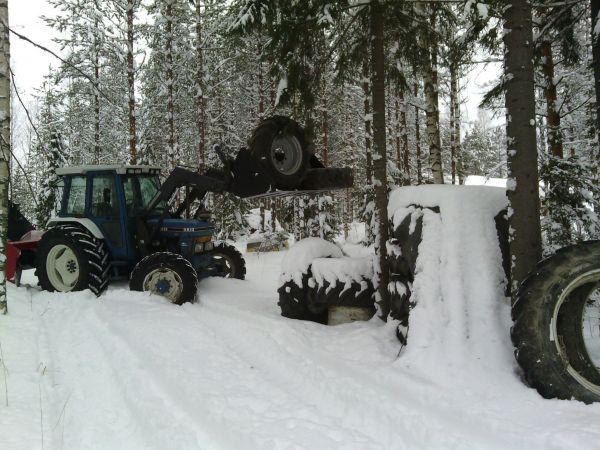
(20, 254)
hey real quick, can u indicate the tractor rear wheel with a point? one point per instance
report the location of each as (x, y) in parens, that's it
(166, 274)
(230, 260)
(70, 258)
(556, 328)
(284, 150)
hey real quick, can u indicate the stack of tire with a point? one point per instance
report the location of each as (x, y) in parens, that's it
(309, 296)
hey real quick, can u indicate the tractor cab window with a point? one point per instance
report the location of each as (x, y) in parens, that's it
(75, 206)
(104, 197)
(139, 192)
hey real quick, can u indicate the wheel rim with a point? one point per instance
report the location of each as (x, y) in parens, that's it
(226, 263)
(582, 361)
(164, 282)
(286, 154)
(62, 268)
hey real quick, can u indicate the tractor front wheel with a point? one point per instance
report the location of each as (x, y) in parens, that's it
(166, 274)
(230, 262)
(70, 258)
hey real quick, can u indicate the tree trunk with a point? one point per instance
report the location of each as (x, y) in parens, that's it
(200, 87)
(169, 80)
(404, 137)
(380, 156)
(366, 92)
(433, 109)
(555, 143)
(97, 84)
(418, 135)
(596, 59)
(325, 152)
(4, 146)
(131, 84)
(453, 101)
(523, 195)
(457, 137)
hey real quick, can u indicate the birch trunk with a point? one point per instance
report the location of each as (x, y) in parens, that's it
(453, 101)
(523, 195)
(131, 84)
(380, 157)
(4, 146)
(418, 135)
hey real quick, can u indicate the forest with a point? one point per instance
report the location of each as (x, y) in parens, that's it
(380, 86)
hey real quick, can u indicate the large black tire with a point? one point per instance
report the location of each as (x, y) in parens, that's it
(166, 274)
(547, 331)
(298, 302)
(284, 150)
(231, 261)
(85, 255)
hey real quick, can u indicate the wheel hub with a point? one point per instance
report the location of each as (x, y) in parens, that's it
(62, 268)
(164, 282)
(286, 154)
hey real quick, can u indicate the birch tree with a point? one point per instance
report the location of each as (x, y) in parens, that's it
(4, 146)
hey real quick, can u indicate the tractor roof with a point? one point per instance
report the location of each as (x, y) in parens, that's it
(121, 169)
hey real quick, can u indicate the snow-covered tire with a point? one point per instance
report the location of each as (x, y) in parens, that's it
(231, 260)
(282, 147)
(548, 316)
(70, 258)
(298, 302)
(166, 274)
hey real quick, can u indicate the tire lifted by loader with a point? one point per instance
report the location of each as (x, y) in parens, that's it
(118, 221)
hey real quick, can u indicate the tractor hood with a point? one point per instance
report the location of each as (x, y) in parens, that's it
(177, 227)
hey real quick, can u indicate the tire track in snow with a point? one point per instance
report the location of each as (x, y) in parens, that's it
(254, 406)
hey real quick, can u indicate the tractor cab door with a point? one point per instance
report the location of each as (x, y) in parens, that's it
(105, 210)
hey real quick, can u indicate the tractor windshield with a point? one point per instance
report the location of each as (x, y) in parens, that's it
(139, 191)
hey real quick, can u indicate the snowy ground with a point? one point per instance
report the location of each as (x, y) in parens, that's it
(129, 371)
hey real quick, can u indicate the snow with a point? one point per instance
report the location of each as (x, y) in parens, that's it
(478, 180)
(346, 270)
(130, 371)
(301, 255)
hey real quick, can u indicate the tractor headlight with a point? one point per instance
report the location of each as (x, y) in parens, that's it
(202, 244)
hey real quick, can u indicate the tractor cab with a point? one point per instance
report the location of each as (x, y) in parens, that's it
(105, 199)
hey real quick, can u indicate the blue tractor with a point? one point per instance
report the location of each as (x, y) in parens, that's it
(118, 221)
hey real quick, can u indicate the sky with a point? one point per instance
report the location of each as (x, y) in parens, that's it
(30, 64)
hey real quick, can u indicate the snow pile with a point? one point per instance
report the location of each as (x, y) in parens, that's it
(345, 270)
(301, 255)
(461, 320)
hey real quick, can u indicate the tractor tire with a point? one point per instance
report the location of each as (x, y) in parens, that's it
(297, 302)
(166, 274)
(70, 258)
(231, 260)
(283, 149)
(549, 314)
